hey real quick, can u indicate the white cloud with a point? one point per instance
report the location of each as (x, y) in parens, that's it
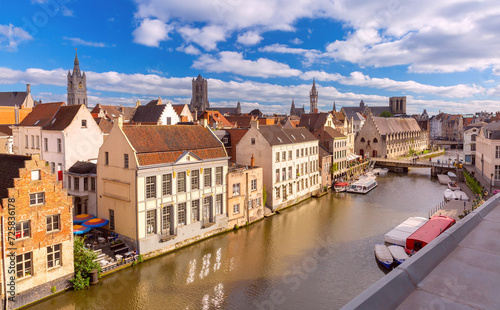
(249, 38)
(151, 32)
(206, 37)
(310, 55)
(11, 36)
(296, 41)
(188, 49)
(78, 41)
(66, 12)
(235, 63)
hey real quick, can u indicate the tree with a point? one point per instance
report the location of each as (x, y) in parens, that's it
(264, 195)
(84, 264)
(334, 168)
(386, 114)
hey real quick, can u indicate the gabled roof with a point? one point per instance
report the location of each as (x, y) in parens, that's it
(313, 121)
(148, 113)
(225, 111)
(5, 130)
(396, 124)
(158, 144)
(104, 124)
(356, 116)
(41, 114)
(12, 98)
(178, 108)
(63, 117)
(83, 167)
(216, 116)
(9, 170)
(276, 135)
(241, 121)
(334, 133)
(112, 111)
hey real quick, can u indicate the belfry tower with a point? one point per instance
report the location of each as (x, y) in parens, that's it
(199, 100)
(313, 98)
(77, 85)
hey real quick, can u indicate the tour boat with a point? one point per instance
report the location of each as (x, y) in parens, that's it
(340, 186)
(383, 255)
(428, 232)
(362, 186)
(398, 253)
(448, 194)
(453, 186)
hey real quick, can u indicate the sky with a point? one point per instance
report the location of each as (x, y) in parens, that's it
(443, 55)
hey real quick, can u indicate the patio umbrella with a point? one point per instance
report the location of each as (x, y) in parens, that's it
(79, 229)
(82, 218)
(96, 222)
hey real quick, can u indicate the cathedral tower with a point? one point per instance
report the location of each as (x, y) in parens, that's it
(199, 100)
(313, 99)
(77, 85)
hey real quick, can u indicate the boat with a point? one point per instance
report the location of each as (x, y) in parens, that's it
(449, 195)
(453, 186)
(452, 175)
(459, 195)
(398, 253)
(362, 186)
(383, 172)
(383, 255)
(340, 186)
(401, 232)
(428, 232)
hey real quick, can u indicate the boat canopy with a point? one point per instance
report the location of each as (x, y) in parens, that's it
(399, 234)
(341, 184)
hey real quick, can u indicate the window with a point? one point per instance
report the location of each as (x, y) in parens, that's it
(195, 179)
(253, 185)
(219, 207)
(37, 142)
(92, 184)
(111, 219)
(277, 175)
(306, 151)
(69, 182)
(253, 141)
(151, 222)
(236, 208)
(169, 121)
(302, 152)
(166, 184)
(497, 172)
(473, 147)
(290, 172)
(257, 202)
(85, 184)
(289, 155)
(45, 144)
(53, 223)
(181, 182)
(84, 123)
(59, 146)
(37, 198)
(77, 184)
(195, 210)
(166, 219)
(283, 156)
(32, 141)
(26, 141)
(125, 160)
(250, 203)
(181, 213)
(236, 189)
(23, 230)
(208, 177)
(54, 256)
(218, 176)
(497, 151)
(151, 187)
(283, 174)
(225, 140)
(277, 192)
(277, 157)
(297, 155)
(106, 158)
(35, 175)
(24, 265)
(53, 166)
(290, 189)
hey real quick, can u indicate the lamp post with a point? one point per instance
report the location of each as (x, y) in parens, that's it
(491, 184)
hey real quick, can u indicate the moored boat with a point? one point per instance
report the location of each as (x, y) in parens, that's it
(340, 186)
(453, 186)
(398, 253)
(383, 255)
(362, 186)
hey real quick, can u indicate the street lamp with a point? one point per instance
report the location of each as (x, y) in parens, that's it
(491, 184)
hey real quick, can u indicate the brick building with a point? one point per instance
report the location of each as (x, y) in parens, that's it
(43, 243)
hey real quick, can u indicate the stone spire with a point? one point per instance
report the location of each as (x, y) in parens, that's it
(313, 98)
(292, 108)
(77, 85)
(334, 109)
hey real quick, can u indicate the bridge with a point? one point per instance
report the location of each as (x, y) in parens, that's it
(456, 144)
(403, 165)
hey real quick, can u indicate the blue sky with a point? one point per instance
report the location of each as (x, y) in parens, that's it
(443, 55)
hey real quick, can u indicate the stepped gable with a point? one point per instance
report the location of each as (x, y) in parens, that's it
(165, 144)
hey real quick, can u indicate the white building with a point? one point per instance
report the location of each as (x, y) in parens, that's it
(162, 186)
(155, 113)
(82, 185)
(488, 151)
(470, 134)
(290, 160)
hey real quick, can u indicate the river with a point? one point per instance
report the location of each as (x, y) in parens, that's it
(316, 255)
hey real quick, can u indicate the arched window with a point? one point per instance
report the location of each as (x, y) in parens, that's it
(375, 140)
(362, 139)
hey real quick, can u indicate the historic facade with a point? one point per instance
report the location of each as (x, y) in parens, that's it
(77, 85)
(390, 137)
(488, 151)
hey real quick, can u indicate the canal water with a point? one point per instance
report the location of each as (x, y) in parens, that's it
(316, 255)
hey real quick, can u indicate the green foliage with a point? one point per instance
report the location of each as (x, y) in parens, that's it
(334, 168)
(236, 227)
(53, 289)
(385, 114)
(84, 264)
(472, 183)
(264, 195)
(325, 188)
(140, 258)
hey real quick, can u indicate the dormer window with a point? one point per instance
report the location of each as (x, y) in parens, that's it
(84, 123)
(279, 139)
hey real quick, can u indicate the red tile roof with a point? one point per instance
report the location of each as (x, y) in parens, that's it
(63, 117)
(41, 114)
(241, 121)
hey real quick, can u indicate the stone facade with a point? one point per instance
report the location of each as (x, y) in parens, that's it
(77, 85)
(199, 99)
(34, 236)
(313, 99)
(397, 105)
(245, 202)
(488, 151)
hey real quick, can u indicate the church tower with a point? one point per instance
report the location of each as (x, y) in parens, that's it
(77, 85)
(199, 100)
(313, 99)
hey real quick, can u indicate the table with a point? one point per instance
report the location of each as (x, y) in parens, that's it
(118, 257)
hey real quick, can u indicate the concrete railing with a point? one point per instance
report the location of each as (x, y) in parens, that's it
(390, 291)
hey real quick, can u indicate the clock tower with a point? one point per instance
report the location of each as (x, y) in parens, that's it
(77, 85)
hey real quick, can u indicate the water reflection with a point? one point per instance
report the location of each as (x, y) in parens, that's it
(318, 254)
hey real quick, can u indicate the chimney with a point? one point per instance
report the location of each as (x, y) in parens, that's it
(315, 110)
(254, 124)
(195, 114)
(252, 161)
(16, 114)
(118, 121)
(28, 88)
